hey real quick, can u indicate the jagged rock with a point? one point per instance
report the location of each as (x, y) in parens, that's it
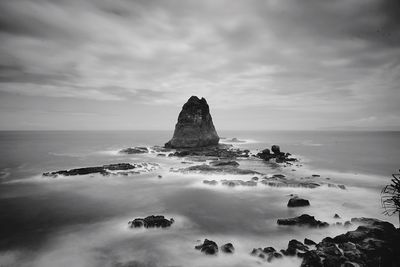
(134, 150)
(194, 127)
(217, 163)
(208, 247)
(298, 202)
(279, 156)
(374, 243)
(151, 222)
(309, 242)
(293, 246)
(227, 248)
(301, 220)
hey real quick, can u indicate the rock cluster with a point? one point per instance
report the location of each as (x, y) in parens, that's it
(303, 220)
(209, 247)
(151, 222)
(375, 243)
(267, 253)
(195, 127)
(276, 154)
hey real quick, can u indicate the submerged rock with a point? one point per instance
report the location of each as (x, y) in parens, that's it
(151, 222)
(268, 253)
(303, 220)
(194, 127)
(218, 163)
(208, 247)
(204, 168)
(227, 248)
(298, 202)
(134, 150)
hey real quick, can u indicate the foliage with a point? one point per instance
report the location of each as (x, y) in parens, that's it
(391, 196)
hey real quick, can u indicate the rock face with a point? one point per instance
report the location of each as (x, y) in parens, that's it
(194, 127)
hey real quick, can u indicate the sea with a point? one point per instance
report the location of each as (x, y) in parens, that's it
(83, 220)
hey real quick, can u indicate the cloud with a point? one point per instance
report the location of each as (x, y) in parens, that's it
(277, 54)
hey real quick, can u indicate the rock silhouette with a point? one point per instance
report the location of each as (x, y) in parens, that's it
(194, 127)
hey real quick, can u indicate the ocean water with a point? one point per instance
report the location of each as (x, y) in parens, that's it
(82, 220)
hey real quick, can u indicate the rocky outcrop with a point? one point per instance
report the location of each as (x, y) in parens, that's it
(208, 247)
(221, 151)
(276, 154)
(298, 202)
(195, 127)
(374, 243)
(152, 221)
(117, 168)
(303, 220)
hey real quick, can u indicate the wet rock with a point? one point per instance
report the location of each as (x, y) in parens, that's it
(309, 242)
(208, 247)
(298, 202)
(227, 248)
(152, 221)
(104, 170)
(373, 243)
(303, 220)
(336, 216)
(218, 163)
(221, 151)
(195, 127)
(278, 176)
(134, 150)
(293, 246)
(276, 149)
(316, 175)
(268, 253)
(311, 259)
(204, 168)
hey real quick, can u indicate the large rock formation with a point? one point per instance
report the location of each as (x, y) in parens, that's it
(194, 127)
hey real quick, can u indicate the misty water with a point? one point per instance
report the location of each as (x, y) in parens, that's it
(83, 220)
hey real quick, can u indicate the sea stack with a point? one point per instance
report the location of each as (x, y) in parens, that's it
(194, 127)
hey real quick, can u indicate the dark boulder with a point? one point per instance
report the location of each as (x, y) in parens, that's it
(227, 248)
(195, 127)
(208, 247)
(303, 220)
(311, 259)
(298, 202)
(336, 216)
(151, 222)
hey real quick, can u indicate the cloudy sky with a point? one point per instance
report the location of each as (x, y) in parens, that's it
(131, 64)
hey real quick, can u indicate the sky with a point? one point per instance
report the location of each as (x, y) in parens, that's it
(261, 65)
